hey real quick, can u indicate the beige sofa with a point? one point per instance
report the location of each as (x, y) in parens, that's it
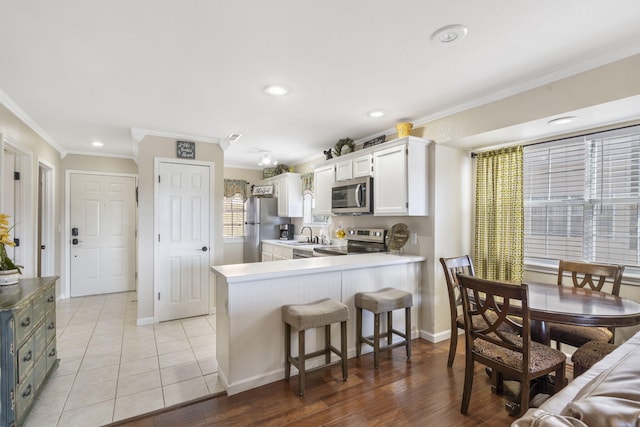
(608, 394)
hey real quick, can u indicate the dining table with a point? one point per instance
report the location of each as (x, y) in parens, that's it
(576, 306)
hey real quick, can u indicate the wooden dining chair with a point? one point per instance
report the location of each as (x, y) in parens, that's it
(597, 277)
(516, 356)
(452, 266)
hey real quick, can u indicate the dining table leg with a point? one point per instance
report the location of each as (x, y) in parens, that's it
(540, 332)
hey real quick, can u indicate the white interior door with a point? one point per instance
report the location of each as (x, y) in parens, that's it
(183, 216)
(102, 219)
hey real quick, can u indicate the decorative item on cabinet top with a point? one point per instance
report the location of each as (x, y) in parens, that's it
(270, 172)
(343, 146)
(375, 141)
(404, 129)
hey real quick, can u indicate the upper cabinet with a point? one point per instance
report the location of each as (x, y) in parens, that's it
(323, 178)
(354, 168)
(399, 170)
(400, 179)
(288, 190)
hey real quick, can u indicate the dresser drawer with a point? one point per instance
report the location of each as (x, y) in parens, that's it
(51, 354)
(24, 322)
(40, 371)
(38, 309)
(50, 299)
(39, 340)
(24, 396)
(26, 357)
(50, 325)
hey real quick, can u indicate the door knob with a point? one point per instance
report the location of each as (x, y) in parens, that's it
(204, 249)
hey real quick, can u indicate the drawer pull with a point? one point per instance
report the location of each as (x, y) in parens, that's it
(52, 352)
(52, 325)
(51, 298)
(13, 401)
(27, 392)
(28, 356)
(26, 322)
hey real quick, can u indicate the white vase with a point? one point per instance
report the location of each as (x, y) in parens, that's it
(9, 277)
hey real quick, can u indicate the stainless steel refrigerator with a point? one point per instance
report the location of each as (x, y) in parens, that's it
(261, 223)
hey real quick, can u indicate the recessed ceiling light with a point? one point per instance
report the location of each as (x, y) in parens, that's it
(97, 144)
(562, 120)
(375, 113)
(449, 34)
(276, 90)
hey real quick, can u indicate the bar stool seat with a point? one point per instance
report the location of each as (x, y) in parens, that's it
(314, 315)
(378, 302)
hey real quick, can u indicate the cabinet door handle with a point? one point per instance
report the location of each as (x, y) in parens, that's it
(26, 322)
(50, 299)
(52, 325)
(27, 392)
(52, 352)
(28, 356)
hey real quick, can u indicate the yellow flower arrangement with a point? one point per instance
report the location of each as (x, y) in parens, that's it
(6, 263)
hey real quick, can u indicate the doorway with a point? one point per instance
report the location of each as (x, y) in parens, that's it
(46, 209)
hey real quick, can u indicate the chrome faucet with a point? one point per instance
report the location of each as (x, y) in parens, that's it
(310, 238)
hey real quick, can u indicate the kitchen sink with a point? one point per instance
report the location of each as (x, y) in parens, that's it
(299, 243)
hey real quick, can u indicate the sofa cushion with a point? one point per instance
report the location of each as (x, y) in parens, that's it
(610, 399)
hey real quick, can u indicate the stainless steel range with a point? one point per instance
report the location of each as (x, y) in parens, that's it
(359, 240)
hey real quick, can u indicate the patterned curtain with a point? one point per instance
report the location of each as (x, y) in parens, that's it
(235, 186)
(307, 183)
(499, 223)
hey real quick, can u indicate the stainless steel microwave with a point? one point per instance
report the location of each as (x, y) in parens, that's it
(352, 197)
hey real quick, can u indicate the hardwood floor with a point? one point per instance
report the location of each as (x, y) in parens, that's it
(420, 392)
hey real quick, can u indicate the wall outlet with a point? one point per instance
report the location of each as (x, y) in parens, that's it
(414, 238)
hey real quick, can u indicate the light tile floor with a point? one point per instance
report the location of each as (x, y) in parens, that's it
(110, 369)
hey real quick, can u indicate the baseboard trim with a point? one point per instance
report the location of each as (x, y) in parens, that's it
(145, 321)
(434, 338)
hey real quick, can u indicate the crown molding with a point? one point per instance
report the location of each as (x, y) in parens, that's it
(94, 154)
(139, 134)
(8, 103)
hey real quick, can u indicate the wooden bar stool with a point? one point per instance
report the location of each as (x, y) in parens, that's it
(314, 315)
(383, 301)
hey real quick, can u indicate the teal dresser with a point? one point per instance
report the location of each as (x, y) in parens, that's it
(27, 345)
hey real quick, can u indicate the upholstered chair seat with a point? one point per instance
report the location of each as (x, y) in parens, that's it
(589, 354)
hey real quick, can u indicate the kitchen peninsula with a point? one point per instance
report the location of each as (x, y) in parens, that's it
(249, 297)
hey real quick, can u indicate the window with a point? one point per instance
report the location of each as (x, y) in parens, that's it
(581, 198)
(308, 204)
(233, 216)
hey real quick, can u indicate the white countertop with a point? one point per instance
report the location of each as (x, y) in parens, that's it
(235, 273)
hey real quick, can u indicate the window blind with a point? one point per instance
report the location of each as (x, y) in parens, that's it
(581, 198)
(233, 218)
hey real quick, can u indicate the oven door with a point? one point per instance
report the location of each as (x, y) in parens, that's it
(353, 196)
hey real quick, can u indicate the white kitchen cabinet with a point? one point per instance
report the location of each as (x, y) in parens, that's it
(344, 170)
(275, 252)
(362, 166)
(288, 190)
(353, 168)
(323, 179)
(400, 179)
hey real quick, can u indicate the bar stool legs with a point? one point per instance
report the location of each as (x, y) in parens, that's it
(315, 315)
(380, 302)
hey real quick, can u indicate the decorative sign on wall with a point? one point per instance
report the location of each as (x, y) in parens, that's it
(186, 149)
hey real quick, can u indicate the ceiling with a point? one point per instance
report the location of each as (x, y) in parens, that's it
(79, 71)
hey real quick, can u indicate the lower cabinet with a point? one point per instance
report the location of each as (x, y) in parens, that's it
(273, 252)
(27, 345)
